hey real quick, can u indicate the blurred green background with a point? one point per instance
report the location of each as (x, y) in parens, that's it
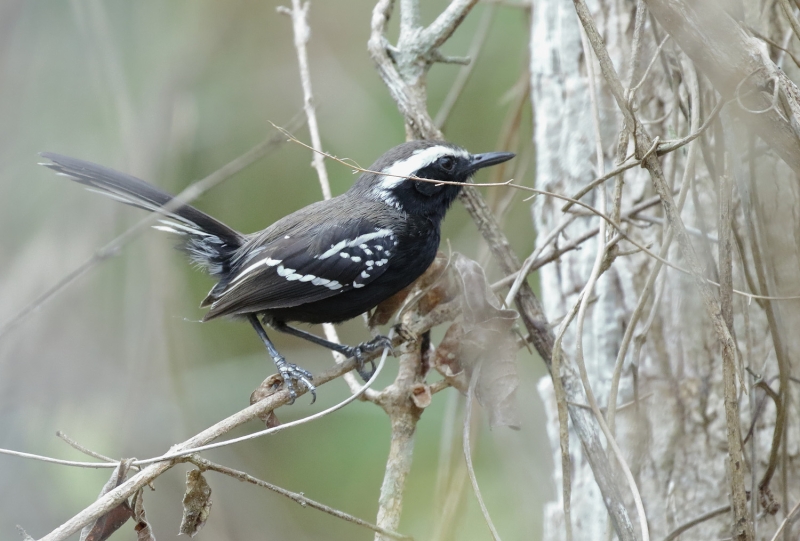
(171, 91)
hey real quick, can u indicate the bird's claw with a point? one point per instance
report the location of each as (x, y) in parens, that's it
(357, 352)
(292, 375)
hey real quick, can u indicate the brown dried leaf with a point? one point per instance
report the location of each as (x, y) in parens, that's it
(488, 339)
(439, 283)
(143, 530)
(102, 528)
(268, 387)
(447, 359)
(196, 503)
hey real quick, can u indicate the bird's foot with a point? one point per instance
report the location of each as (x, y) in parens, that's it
(293, 376)
(357, 352)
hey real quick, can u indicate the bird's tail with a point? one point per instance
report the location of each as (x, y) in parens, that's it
(209, 243)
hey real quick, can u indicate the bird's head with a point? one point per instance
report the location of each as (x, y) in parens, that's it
(433, 160)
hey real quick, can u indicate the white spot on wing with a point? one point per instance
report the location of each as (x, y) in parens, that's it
(378, 234)
(336, 248)
(359, 240)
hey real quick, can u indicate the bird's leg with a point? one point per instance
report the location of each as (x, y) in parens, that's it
(290, 373)
(357, 352)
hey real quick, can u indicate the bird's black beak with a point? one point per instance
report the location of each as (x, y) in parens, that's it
(479, 161)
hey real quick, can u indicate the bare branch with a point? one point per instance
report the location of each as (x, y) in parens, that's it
(787, 521)
(464, 73)
(114, 497)
(446, 23)
(300, 498)
(302, 32)
(743, 524)
(674, 534)
(725, 54)
(299, 16)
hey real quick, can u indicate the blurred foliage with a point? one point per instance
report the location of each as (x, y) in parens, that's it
(171, 91)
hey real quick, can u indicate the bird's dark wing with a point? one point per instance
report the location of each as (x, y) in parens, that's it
(302, 266)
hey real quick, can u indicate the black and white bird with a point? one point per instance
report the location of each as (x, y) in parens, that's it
(325, 263)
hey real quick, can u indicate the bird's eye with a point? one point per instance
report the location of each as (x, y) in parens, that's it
(447, 163)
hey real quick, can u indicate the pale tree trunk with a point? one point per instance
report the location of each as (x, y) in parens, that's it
(677, 437)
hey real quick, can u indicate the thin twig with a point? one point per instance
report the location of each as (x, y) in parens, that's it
(743, 523)
(775, 44)
(669, 146)
(408, 91)
(85, 450)
(464, 73)
(788, 520)
(51, 460)
(765, 284)
(225, 426)
(674, 534)
(571, 200)
(280, 427)
(597, 269)
(299, 16)
(468, 452)
(302, 32)
(114, 497)
(647, 289)
(205, 464)
(789, 12)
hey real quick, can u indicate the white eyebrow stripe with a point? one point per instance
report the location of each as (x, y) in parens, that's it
(418, 160)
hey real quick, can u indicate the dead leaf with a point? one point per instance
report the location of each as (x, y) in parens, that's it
(143, 530)
(196, 503)
(438, 285)
(102, 528)
(447, 358)
(488, 339)
(268, 387)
